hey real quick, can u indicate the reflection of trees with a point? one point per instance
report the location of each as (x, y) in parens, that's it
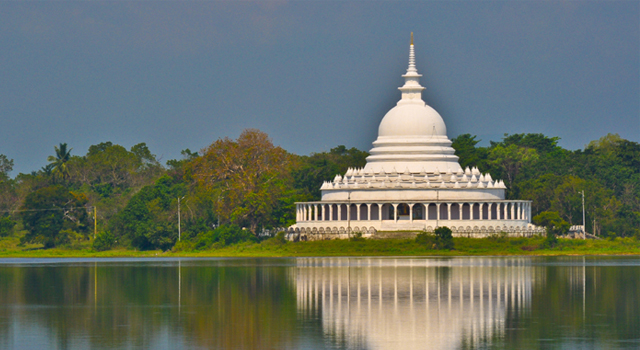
(140, 304)
(586, 303)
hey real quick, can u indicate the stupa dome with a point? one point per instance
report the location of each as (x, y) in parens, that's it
(412, 119)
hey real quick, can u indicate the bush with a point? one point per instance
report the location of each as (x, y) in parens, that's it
(223, 236)
(499, 237)
(444, 239)
(426, 239)
(356, 237)
(104, 241)
(278, 239)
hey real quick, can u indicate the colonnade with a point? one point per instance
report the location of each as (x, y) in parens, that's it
(518, 210)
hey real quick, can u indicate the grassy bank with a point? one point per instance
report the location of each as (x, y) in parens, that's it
(388, 247)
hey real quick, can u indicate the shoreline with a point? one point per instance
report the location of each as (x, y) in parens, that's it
(364, 248)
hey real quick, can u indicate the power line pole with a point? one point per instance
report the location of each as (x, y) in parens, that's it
(584, 225)
(179, 228)
(95, 222)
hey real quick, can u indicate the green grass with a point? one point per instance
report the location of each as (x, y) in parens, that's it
(387, 247)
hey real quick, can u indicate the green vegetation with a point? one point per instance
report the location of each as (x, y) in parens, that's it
(233, 190)
(277, 247)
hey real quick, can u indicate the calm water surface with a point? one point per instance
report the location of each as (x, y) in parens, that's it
(321, 303)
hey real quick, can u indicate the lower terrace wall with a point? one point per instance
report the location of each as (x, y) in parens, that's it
(314, 234)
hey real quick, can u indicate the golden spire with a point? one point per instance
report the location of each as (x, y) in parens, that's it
(411, 38)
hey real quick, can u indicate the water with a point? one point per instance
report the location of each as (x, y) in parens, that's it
(321, 303)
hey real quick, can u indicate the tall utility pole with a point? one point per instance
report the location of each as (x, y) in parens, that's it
(95, 222)
(179, 228)
(584, 225)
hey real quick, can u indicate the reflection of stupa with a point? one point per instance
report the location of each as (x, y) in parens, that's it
(412, 181)
(412, 304)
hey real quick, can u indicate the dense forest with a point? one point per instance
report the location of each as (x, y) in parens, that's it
(234, 189)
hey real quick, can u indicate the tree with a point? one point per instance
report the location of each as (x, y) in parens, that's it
(59, 160)
(509, 160)
(320, 167)
(149, 219)
(554, 224)
(247, 177)
(469, 155)
(444, 238)
(50, 210)
(6, 165)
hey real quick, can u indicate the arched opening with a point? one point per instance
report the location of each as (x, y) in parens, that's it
(387, 212)
(432, 212)
(455, 211)
(353, 211)
(476, 211)
(418, 212)
(443, 211)
(403, 211)
(375, 212)
(343, 212)
(364, 211)
(466, 211)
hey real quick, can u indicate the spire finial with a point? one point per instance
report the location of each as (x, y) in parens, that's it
(411, 91)
(411, 38)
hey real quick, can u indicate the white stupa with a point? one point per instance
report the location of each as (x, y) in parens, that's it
(412, 181)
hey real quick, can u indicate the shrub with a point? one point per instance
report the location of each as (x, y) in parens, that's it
(499, 237)
(278, 239)
(426, 239)
(444, 238)
(223, 236)
(104, 241)
(356, 237)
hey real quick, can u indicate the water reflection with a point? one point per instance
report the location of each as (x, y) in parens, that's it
(408, 303)
(318, 303)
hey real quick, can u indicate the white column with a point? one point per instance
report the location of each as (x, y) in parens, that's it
(489, 205)
(315, 212)
(330, 212)
(448, 211)
(297, 212)
(437, 211)
(460, 208)
(410, 212)
(368, 211)
(358, 214)
(324, 218)
(348, 211)
(395, 212)
(380, 212)
(471, 211)
(480, 211)
(512, 210)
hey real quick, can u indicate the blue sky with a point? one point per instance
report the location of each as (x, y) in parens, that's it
(313, 75)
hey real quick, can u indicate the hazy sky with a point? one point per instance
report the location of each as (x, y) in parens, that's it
(313, 75)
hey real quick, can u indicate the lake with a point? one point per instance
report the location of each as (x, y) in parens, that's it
(321, 303)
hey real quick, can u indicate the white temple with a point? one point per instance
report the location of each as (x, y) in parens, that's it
(412, 182)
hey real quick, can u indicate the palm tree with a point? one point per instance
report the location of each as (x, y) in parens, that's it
(59, 162)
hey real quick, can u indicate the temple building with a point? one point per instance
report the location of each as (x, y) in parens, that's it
(412, 182)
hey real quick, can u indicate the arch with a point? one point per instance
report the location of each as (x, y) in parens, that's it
(403, 211)
(443, 211)
(466, 211)
(432, 213)
(387, 211)
(455, 211)
(375, 212)
(418, 212)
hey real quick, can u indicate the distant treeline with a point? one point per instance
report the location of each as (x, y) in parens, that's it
(234, 189)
